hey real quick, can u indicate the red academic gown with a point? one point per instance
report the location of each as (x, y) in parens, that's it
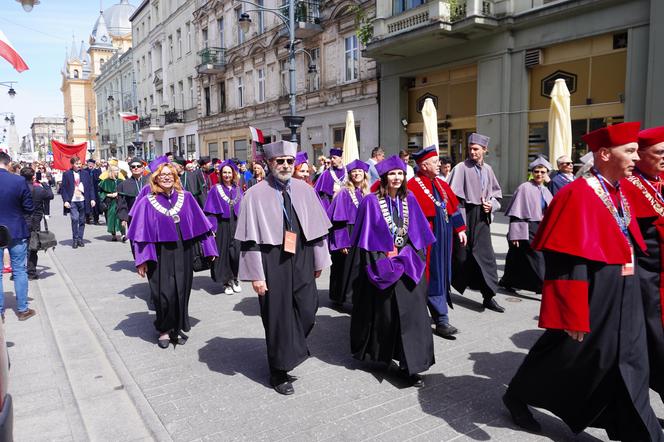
(602, 381)
(648, 208)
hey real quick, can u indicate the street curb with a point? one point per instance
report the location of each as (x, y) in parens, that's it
(145, 411)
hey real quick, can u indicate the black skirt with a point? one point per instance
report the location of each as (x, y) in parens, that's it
(224, 269)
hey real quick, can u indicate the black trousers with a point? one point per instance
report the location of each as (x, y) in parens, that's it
(32, 263)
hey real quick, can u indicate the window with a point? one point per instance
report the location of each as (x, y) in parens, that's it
(204, 37)
(260, 74)
(240, 34)
(352, 58)
(143, 65)
(220, 28)
(213, 150)
(283, 73)
(181, 89)
(150, 63)
(261, 17)
(225, 147)
(240, 149)
(75, 73)
(187, 28)
(191, 145)
(190, 84)
(240, 92)
(172, 145)
(181, 146)
(149, 23)
(314, 78)
(102, 61)
(151, 104)
(222, 97)
(206, 94)
(338, 135)
(138, 69)
(170, 49)
(178, 38)
(172, 89)
(399, 6)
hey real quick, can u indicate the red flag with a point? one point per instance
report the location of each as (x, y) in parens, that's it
(63, 152)
(8, 52)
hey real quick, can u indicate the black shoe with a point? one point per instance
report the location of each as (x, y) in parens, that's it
(114, 238)
(506, 287)
(491, 304)
(164, 343)
(521, 415)
(81, 243)
(180, 338)
(446, 330)
(285, 388)
(417, 380)
(75, 244)
(124, 239)
(33, 277)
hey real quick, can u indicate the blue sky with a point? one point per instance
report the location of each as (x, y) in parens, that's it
(41, 37)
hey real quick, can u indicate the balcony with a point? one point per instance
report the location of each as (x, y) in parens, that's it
(173, 117)
(307, 18)
(410, 32)
(151, 125)
(105, 139)
(144, 122)
(212, 61)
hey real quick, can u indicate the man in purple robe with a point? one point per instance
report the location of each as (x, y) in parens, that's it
(332, 179)
(475, 184)
(283, 233)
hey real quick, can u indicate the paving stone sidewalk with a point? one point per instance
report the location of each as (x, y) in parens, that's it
(215, 387)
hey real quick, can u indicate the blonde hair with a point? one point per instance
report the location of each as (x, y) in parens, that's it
(262, 173)
(364, 187)
(155, 187)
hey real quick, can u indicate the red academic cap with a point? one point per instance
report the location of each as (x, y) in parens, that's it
(650, 137)
(611, 136)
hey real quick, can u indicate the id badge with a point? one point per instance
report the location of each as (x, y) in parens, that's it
(628, 268)
(290, 240)
(393, 253)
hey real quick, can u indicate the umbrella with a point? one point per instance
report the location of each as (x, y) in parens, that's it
(430, 117)
(560, 122)
(350, 152)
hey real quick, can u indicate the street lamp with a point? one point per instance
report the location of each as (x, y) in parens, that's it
(10, 85)
(28, 4)
(291, 121)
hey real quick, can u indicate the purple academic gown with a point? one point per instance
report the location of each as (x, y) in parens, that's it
(288, 309)
(325, 185)
(224, 222)
(524, 267)
(343, 274)
(168, 250)
(474, 266)
(390, 319)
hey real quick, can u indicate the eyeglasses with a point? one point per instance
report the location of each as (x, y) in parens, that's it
(539, 172)
(165, 177)
(567, 163)
(136, 166)
(281, 161)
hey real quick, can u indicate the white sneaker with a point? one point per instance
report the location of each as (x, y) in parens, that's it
(228, 290)
(236, 287)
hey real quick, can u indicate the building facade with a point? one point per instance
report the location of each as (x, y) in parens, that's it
(243, 78)
(490, 65)
(110, 34)
(45, 129)
(164, 60)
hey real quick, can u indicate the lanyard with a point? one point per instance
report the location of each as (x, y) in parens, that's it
(657, 194)
(399, 208)
(618, 215)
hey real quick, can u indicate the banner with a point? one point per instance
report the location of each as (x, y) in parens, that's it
(63, 152)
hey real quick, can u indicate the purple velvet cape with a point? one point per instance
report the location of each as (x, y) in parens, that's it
(372, 234)
(325, 183)
(215, 205)
(526, 205)
(261, 221)
(342, 212)
(149, 227)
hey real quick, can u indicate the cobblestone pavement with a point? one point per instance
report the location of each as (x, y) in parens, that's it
(215, 387)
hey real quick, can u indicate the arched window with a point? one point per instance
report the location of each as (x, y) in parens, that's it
(102, 61)
(75, 73)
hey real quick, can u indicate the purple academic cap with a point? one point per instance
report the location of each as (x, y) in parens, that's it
(357, 164)
(391, 163)
(301, 157)
(154, 164)
(230, 164)
(335, 151)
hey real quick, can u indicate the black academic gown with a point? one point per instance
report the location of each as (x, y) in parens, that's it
(225, 268)
(599, 382)
(194, 182)
(474, 266)
(288, 309)
(128, 190)
(391, 324)
(524, 267)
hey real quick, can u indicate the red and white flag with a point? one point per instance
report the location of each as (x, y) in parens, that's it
(128, 116)
(8, 52)
(257, 135)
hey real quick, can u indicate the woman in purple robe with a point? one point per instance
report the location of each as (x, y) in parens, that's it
(524, 267)
(166, 226)
(222, 209)
(342, 213)
(390, 319)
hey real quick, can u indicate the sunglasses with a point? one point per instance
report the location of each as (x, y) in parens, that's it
(568, 163)
(136, 166)
(281, 161)
(539, 172)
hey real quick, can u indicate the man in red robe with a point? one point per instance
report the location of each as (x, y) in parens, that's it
(644, 191)
(590, 367)
(441, 208)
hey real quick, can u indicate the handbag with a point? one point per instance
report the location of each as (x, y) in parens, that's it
(200, 262)
(5, 236)
(42, 239)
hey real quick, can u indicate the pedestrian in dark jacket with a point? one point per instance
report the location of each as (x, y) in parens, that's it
(41, 195)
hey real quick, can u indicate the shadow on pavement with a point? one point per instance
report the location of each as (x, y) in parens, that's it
(248, 307)
(205, 282)
(119, 266)
(466, 302)
(231, 356)
(141, 325)
(140, 291)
